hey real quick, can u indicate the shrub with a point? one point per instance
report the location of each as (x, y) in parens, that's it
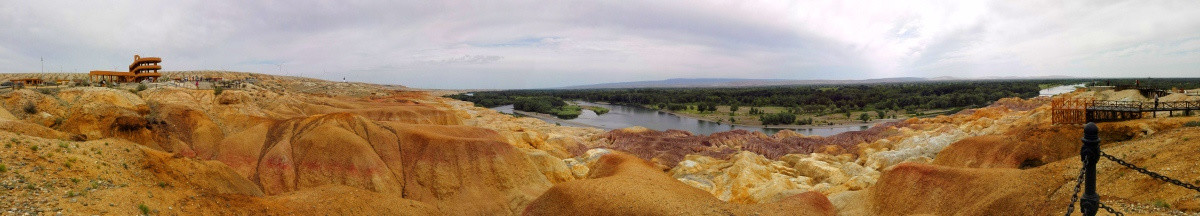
(30, 108)
(3, 168)
(145, 209)
(217, 90)
(141, 87)
(1161, 204)
(1192, 124)
(48, 91)
(33, 147)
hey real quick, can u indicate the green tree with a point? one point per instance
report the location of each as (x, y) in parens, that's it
(864, 117)
(778, 118)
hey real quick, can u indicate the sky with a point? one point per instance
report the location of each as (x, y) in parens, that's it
(453, 44)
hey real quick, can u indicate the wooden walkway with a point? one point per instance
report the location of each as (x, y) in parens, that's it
(1078, 111)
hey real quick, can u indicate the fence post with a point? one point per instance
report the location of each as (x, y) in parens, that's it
(1090, 153)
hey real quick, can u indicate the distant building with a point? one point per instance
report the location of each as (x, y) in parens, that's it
(142, 68)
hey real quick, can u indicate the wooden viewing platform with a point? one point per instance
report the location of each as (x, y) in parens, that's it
(1079, 111)
(142, 68)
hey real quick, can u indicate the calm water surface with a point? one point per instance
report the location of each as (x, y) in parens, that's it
(1060, 89)
(620, 116)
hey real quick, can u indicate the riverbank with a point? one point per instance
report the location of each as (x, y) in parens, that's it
(742, 117)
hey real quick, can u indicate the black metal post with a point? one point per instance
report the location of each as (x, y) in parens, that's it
(1090, 153)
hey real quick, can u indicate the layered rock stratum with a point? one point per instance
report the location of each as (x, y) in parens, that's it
(289, 145)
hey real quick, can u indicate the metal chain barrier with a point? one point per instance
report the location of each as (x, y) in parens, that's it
(1090, 153)
(1150, 173)
(1075, 195)
(1111, 210)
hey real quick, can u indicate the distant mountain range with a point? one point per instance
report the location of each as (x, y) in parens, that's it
(735, 82)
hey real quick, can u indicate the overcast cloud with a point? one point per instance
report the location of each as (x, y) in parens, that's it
(536, 44)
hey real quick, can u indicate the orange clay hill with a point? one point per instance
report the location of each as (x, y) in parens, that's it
(300, 146)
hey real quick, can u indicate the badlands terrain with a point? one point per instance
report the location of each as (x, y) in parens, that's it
(288, 145)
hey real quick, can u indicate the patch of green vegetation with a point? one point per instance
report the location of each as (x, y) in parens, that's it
(141, 87)
(777, 119)
(568, 112)
(217, 90)
(75, 180)
(144, 209)
(547, 105)
(806, 121)
(3, 168)
(63, 145)
(598, 110)
(1161, 203)
(163, 184)
(1192, 124)
(33, 147)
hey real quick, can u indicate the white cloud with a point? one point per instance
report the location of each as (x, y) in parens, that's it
(529, 44)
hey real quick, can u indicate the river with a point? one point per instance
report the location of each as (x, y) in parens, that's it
(620, 116)
(1060, 89)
